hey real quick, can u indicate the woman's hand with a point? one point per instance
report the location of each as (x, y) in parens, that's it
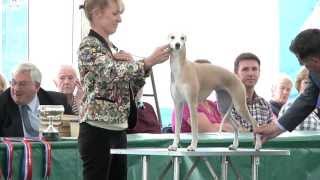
(123, 56)
(160, 55)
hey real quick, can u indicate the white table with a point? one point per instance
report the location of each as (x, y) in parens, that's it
(201, 153)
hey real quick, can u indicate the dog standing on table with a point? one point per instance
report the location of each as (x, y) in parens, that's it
(192, 83)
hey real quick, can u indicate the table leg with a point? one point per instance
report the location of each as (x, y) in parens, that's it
(211, 170)
(176, 168)
(195, 163)
(255, 164)
(145, 162)
(164, 172)
(234, 169)
(224, 168)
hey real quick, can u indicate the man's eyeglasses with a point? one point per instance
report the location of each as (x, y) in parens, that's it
(22, 84)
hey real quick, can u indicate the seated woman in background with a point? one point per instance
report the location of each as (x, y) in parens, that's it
(209, 117)
(3, 84)
(312, 122)
(280, 93)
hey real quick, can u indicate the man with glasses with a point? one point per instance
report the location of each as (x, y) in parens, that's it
(19, 103)
(306, 47)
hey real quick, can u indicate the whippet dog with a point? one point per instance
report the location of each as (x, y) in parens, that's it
(192, 83)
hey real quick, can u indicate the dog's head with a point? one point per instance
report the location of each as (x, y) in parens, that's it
(177, 41)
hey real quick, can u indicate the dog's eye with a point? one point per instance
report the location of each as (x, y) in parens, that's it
(182, 38)
(172, 37)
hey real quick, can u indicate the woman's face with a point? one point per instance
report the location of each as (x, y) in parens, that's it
(108, 18)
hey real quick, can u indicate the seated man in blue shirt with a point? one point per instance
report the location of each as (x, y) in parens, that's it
(306, 47)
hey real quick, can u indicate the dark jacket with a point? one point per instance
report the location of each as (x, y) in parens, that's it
(303, 105)
(10, 120)
(276, 107)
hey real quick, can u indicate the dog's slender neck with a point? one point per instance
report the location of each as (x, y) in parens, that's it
(178, 59)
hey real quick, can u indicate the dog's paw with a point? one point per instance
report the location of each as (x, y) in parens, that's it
(173, 147)
(233, 147)
(191, 148)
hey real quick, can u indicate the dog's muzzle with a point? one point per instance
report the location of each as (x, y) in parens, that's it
(177, 46)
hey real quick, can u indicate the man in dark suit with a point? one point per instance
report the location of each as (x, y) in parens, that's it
(25, 96)
(306, 47)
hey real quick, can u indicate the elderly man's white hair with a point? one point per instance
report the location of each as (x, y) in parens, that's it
(66, 67)
(30, 68)
(280, 78)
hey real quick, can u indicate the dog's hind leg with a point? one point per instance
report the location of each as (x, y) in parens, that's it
(241, 106)
(258, 142)
(225, 106)
(235, 126)
(179, 111)
(224, 103)
(243, 110)
(194, 126)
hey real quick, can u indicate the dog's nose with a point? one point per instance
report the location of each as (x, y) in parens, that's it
(177, 46)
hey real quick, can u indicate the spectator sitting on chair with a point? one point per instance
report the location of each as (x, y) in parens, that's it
(19, 103)
(280, 93)
(247, 68)
(147, 121)
(311, 122)
(208, 115)
(68, 83)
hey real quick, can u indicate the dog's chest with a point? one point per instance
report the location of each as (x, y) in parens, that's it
(175, 68)
(176, 87)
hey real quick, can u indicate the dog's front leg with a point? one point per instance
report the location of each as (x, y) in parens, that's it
(179, 111)
(194, 127)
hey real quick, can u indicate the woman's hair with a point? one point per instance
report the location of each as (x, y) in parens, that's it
(30, 68)
(3, 84)
(90, 5)
(302, 75)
